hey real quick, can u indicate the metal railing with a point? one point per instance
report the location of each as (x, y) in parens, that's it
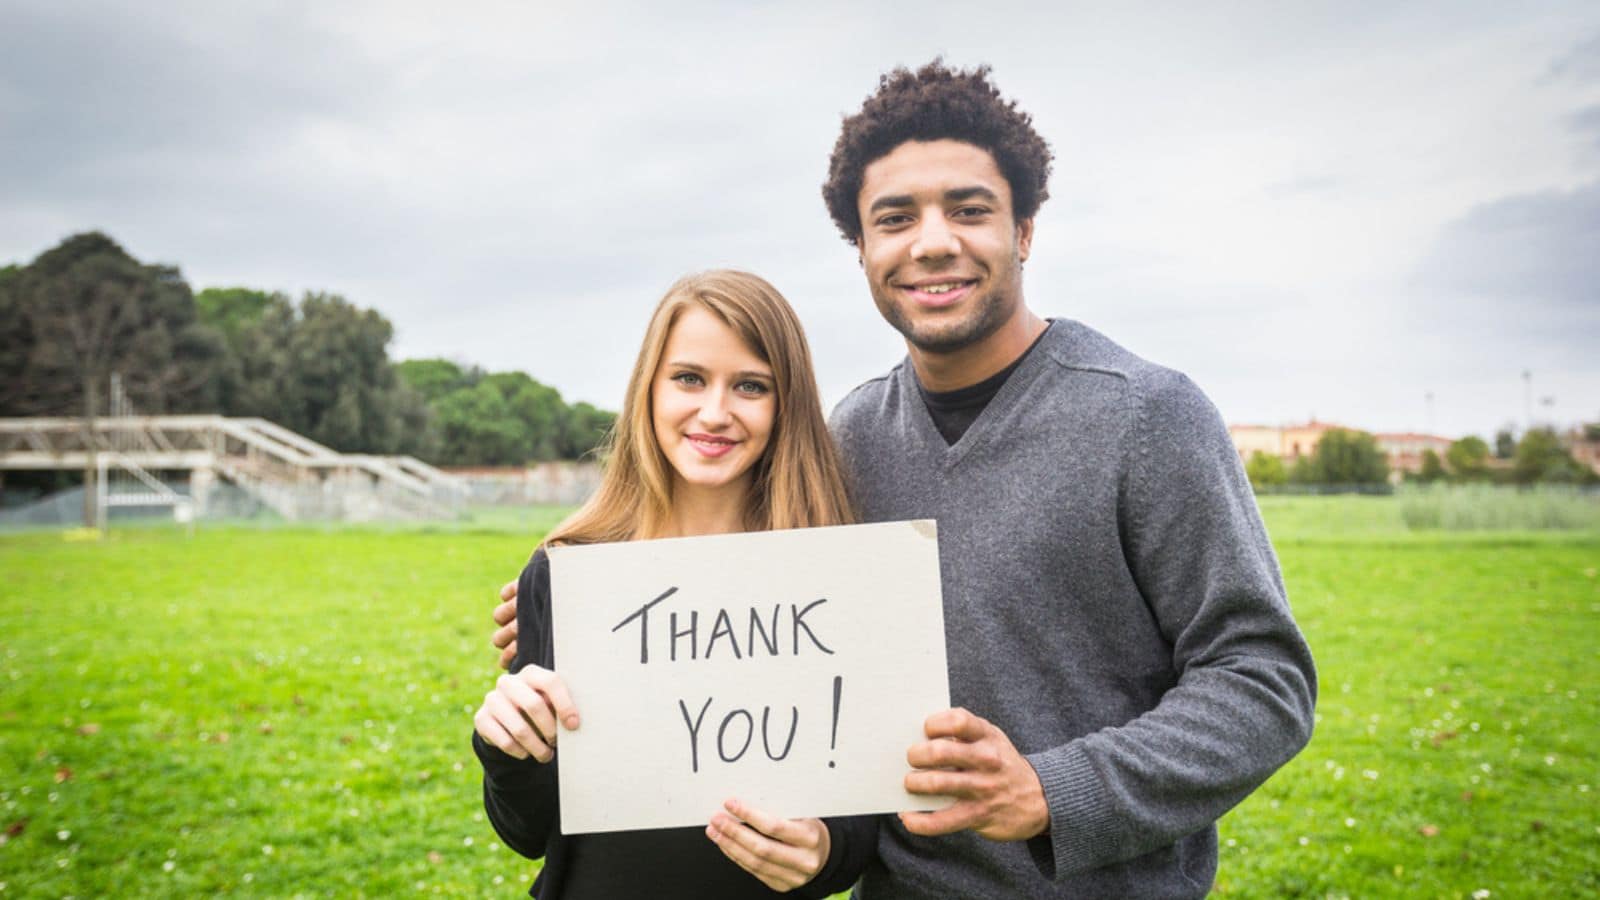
(288, 472)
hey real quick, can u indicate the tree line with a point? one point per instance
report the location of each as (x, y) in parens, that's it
(1540, 456)
(86, 309)
(1350, 457)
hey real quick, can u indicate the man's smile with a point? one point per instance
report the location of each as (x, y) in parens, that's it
(938, 292)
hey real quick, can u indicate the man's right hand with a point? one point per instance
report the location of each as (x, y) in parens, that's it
(997, 792)
(505, 615)
(519, 716)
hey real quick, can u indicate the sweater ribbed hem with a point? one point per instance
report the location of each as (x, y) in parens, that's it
(1082, 820)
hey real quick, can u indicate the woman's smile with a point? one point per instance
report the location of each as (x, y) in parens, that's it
(711, 445)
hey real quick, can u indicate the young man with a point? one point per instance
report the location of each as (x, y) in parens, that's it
(1123, 661)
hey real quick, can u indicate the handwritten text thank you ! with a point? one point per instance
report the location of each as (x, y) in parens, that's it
(791, 669)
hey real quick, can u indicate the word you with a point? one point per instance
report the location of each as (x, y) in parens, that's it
(738, 730)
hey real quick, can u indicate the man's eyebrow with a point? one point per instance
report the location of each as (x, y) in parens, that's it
(954, 195)
(893, 201)
(957, 195)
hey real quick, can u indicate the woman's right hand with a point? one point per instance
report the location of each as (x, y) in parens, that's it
(519, 716)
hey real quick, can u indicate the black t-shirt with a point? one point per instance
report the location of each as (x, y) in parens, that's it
(954, 411)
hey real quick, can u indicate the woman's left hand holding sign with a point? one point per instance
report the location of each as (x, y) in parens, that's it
(783, 853)
(519, 716)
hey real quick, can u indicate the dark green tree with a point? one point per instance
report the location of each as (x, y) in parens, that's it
(586, 429)
(434, 378)
(235, 312)
(540, 410)
(1468, 459)
(478, 428)
(1346, 456)
(1541, 457)
(85, 310)
(1505, 444)
(528, 421)
(16, 341)
(1432, 469)
(321, 367)
(232, 310)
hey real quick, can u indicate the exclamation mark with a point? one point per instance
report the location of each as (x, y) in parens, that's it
(833, 742)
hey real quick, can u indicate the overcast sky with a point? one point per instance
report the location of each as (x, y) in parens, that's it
(1329, 209)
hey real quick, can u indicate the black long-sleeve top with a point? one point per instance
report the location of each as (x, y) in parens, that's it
(523, 803)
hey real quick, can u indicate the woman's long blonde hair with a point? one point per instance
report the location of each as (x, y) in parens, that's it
(798, 481)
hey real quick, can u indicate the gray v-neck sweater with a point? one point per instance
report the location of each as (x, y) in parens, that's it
(1111, 603)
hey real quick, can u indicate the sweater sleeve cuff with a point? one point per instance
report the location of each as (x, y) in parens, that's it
(503, 769)
(1082, 819)
(852, 840)
(838, 848)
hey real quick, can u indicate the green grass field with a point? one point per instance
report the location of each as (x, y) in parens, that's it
(281, 712)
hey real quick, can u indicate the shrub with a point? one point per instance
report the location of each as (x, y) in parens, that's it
(1265, 470)
(1483, 507)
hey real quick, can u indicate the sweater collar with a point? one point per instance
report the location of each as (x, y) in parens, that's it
(1022, 375)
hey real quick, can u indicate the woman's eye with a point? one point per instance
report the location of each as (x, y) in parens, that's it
(751, 388)
(688, 379)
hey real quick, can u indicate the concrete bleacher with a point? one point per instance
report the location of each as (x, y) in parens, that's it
(289, 473)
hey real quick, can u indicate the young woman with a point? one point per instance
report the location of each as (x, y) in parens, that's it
(721, 431)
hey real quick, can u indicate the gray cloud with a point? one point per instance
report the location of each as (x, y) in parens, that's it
(1536, 249)
(181, 82)
(1586, 123)
(1513, 284)
(515, 184)
(1581, 64)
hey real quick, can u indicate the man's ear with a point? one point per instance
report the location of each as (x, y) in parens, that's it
(1024, 239)
(861, 252)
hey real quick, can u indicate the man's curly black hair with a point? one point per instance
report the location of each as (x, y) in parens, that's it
(930, 104)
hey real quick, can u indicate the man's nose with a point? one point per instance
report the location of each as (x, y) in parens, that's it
(934, 240)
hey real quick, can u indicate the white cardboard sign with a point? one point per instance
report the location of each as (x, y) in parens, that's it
(790, 669)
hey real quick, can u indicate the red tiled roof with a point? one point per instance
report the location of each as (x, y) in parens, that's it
(1411, 436)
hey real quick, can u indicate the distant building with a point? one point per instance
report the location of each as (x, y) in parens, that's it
(1251, 439)
(1288, 442)
(1301, 440)
(1291, 442)
(1584, 448)
(1404, 449)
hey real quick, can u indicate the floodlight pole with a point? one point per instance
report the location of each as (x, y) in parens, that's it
(102, 493)
(1527, 400)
